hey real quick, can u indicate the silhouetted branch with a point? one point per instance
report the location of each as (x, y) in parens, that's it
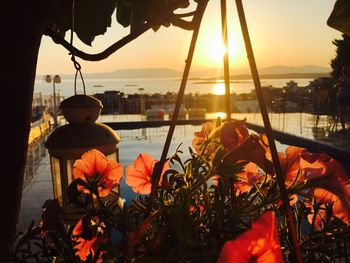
(125, 40)
(185, 14)
(175, 21)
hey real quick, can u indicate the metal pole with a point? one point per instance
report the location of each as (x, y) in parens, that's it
(225, 59)
(159, 167)
(280, 179)
(54, 105)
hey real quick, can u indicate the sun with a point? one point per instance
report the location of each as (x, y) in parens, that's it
(211, 50)
(219, 88)
(216, 49)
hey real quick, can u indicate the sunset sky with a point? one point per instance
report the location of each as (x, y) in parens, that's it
(283, 32)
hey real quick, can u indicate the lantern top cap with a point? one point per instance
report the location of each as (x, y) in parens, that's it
(81, 101)
(81, 109)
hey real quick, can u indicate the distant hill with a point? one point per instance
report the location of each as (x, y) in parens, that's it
(137, 73)
(308, 71)
(274, 72)
(284, 76)
(288, 70)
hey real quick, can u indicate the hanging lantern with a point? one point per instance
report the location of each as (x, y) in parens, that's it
(67, 143)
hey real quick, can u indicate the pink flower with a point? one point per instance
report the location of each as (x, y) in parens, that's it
(138, 175)
(259, 244)
(93, 163)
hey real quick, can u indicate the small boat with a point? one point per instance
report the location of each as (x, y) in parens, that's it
(155, 114)
(182, 113)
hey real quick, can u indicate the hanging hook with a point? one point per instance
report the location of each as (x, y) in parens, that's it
(78, 69)
(76, 64)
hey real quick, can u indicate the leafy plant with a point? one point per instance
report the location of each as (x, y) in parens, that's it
(222, 204)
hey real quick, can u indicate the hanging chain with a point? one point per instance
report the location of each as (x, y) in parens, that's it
(76, 64)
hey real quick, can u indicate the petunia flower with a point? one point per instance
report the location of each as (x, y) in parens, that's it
(324, 175)
(138, 175)
(319, 218)
(247, 177)
(94, 163)
(233, 134)
(259, 244)
(84, 246)
(333, 187)
(299, 162)
(200, 137)
(251, 150)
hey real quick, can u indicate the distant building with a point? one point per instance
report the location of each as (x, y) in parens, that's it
(111, 100)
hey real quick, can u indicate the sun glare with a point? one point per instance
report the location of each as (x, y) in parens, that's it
(216, 49)
(219, 88)
(211, 49)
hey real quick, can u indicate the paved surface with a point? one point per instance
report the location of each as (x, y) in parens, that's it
(35, 193)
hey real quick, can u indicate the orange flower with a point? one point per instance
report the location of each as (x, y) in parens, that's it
(138, 175)
(325, 175)
(93, 163)
(333, 187)
(298, 160)
(84, 246)
(247, 178)
(200, 137)
(233, 134)
(251, 150)
(260, 243)
(319, 218)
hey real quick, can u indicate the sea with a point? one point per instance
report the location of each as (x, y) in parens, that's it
(156, 85)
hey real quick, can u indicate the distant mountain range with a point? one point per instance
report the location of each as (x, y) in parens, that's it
(308, 71)
(138, 73)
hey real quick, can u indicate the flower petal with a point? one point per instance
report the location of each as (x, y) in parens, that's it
(138, 175)
(260, 243)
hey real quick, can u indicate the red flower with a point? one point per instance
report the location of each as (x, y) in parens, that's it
(259, 244)
(233, 134)
(138, 175)
(200, 137)
(84, 246)
(94, 163)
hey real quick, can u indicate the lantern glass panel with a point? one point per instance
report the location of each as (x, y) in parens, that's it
(56, 178)
(70, 164)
